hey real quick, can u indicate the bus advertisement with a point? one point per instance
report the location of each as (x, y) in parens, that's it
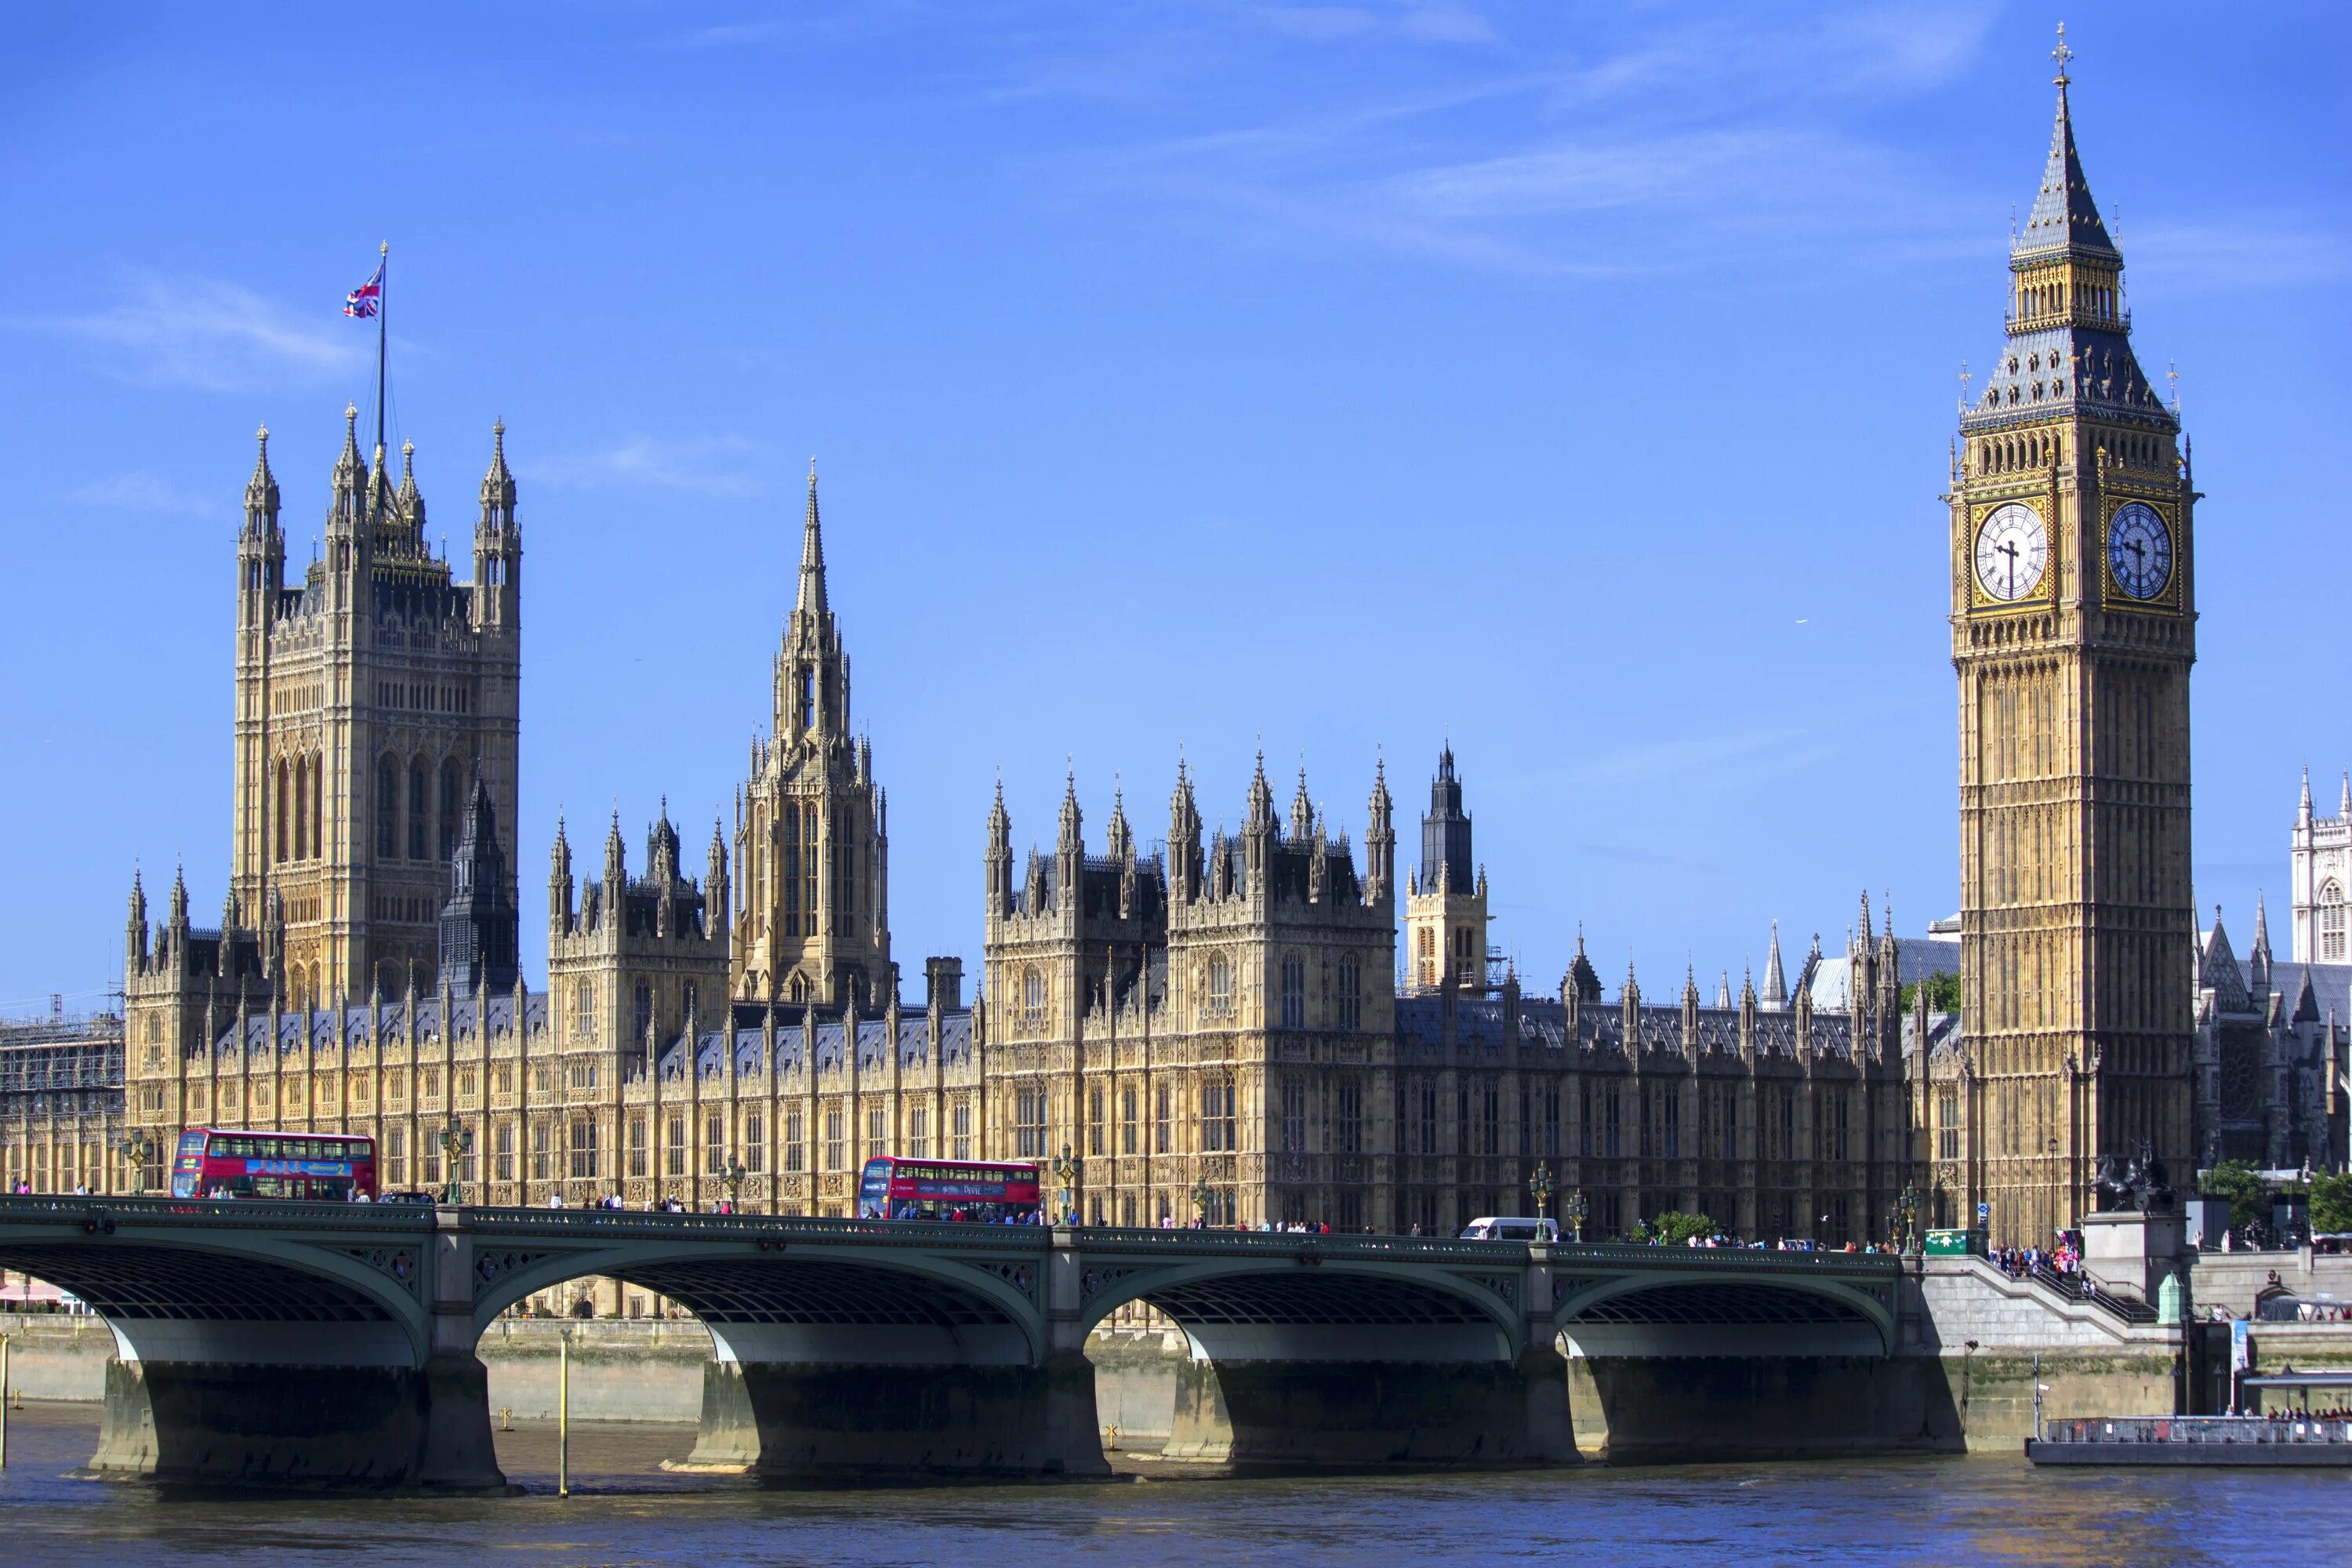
(948, 1189)
(230, 1163)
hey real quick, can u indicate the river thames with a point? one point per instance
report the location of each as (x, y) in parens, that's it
(626, 1511)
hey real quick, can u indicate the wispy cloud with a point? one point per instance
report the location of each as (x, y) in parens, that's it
(723, 467)
(199, 332)
(1691, 144)
(145, 493)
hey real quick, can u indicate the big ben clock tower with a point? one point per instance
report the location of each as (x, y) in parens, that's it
(2074, 625)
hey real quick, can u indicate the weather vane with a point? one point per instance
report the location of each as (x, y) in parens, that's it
(2062, 54)
(1965, 379)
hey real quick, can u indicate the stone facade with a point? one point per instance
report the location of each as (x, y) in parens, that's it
(2074, 616)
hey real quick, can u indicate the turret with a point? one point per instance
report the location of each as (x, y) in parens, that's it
(616, 874)
(714, 880)
(1000, 858)
(1184, 840)
(1775, 997)
(260, 547)
(134, 930)
(558, 883)
(1380, 842)
(497, 543)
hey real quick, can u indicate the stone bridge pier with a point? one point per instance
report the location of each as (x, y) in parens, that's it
(1350, 1352)
(310, 1346)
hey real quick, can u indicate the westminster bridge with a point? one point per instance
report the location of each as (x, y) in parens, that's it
(335, 1344)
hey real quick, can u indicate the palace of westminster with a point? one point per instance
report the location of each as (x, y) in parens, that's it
(1226, 1026)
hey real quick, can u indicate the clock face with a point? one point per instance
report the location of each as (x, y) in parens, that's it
(2012, 548)
(2139, 551)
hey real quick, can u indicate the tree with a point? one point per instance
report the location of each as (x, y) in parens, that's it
(2331, 1203)
(1943, 992)
(2238, 1181)
(1674, 1228)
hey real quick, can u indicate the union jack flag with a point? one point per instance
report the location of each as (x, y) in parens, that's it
(362, 300)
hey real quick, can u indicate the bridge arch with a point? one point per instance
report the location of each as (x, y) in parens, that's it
(1346, 1307)
(1705, 1312)
(789, 1300)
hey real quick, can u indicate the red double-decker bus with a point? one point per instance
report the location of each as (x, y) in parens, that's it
(229, 1162)
(948, 1189)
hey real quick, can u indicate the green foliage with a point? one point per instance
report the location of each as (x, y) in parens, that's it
(2235, 1180)
(1943, 992)
(1674, 1228)
(2331, 1203)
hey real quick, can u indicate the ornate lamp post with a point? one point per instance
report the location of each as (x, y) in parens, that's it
(734, 1175)
(1906, 1222)
(1573, 1211)
(1539, 1188)
(1202, 1195)
(1066, 1171)
(455, 1139)
(137, 1151)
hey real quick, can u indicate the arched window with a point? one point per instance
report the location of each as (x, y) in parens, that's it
(387, 807)
(2331, 922)
(453, 806)
(800, 987)
(808, 698)
(583, 1011)
(278, 849)
(417, 803)
(304, 784)
(318, 840)
(1033, 998)
(1221, 985)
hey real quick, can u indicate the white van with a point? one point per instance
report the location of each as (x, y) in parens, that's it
(1492, 1230)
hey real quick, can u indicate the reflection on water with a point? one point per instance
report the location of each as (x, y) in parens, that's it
(628, 1510)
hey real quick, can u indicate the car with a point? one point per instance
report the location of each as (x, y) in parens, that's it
(1511, 1229)
(427, 1199)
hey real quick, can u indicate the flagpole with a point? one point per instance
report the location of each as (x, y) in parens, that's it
(383, 253)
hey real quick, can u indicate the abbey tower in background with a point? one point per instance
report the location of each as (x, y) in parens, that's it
(2074, 628)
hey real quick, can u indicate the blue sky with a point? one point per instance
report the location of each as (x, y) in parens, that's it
(1570, 381)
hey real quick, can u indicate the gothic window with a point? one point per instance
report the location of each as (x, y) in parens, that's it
(808, 870)
(1127, 1129)
(642, 1016)
(416, 808)
(1948, 1124)
(1348, 1119)
(714, 1143)
(961, 1129)
(1033, 999)
(452, 799)
(1426, 951)
(1491, 1118)
(1029, 1123)
(283, 806)
(794, 1156)
(1221, 986)
(1671, 1116)
(1094, 1120)
(2331, 922)
(1463, 1094)
(583, 1011)
(1217, 1126)
(636, 1143)
(503, 1142)
(1163, 1138)
(387, 805)
(791, 823)
(1351, 994)
(755, 1143)
(1609, 1110)
(808, 698)
(583, 1146)
(919, 1132)
(315, 844)
(1293, 1115)
(1551, 1122)
(836, 1148)
(1293, 992)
